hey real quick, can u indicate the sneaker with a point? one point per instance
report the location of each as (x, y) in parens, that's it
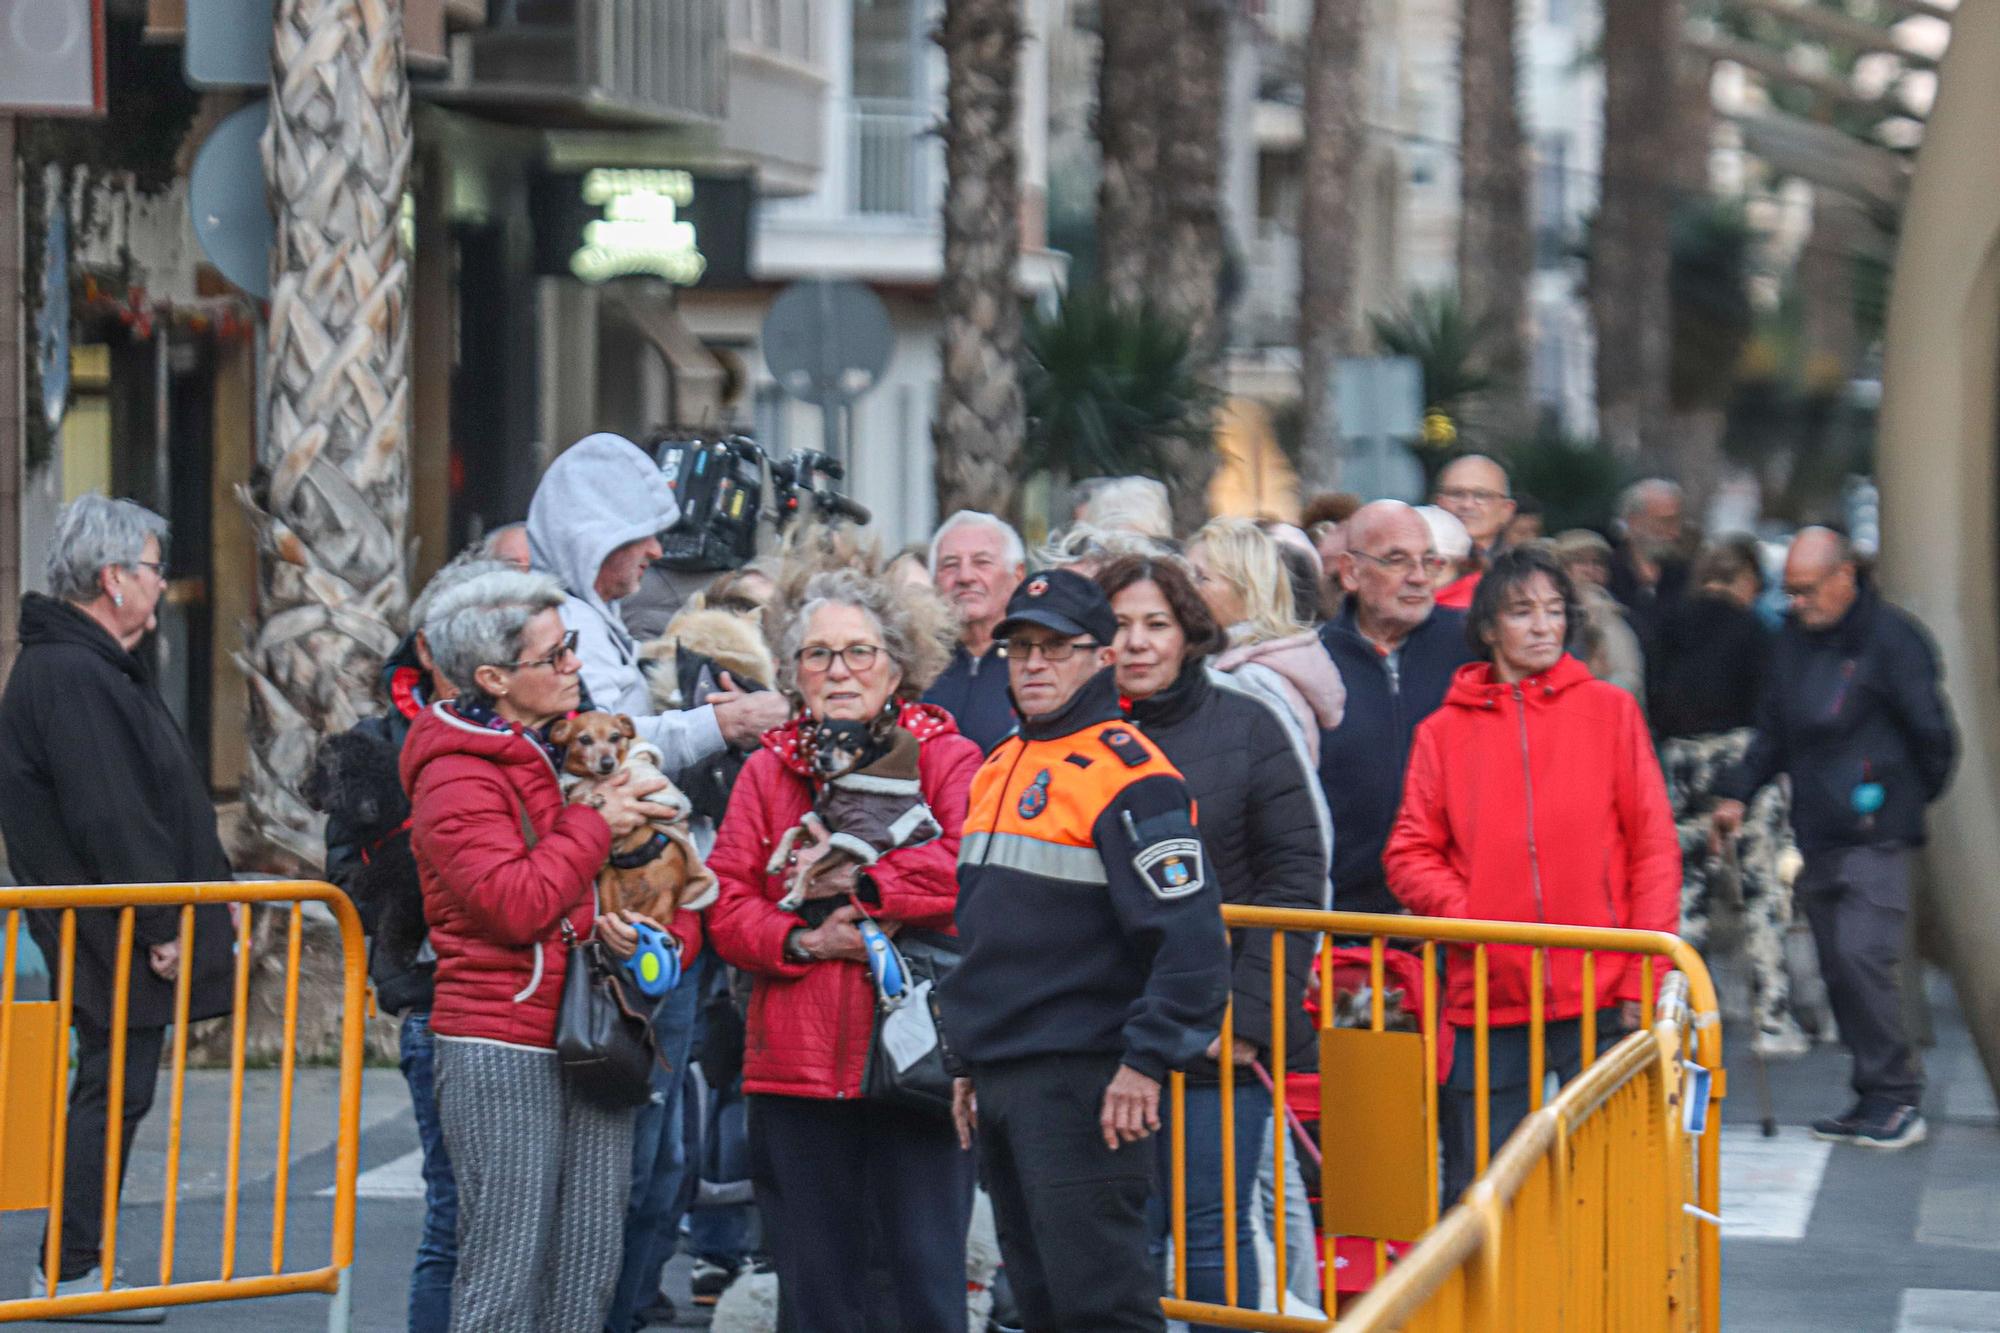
(1781, 1043)
(709, 1281)
(1893, 1130)
(1841, 1128)
(90, 1284)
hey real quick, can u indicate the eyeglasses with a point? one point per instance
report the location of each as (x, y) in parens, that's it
(856, 657)
(1805, 592)
(1401, 563)
(159, 568)
(1472, 495)
(565, 647)
(1056, 650)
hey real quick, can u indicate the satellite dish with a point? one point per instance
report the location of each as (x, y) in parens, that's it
(827, 342)
(226, 195)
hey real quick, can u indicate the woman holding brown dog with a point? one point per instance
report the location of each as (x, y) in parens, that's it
(833, 1171)
(505, 864)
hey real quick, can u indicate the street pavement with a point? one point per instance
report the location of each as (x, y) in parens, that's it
(1818, 1238)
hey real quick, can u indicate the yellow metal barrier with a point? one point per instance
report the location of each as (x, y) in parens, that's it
(1519, 1250)
(33, 1043)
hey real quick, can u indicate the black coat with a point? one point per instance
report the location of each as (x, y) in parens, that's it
(98, 786)
(1361, 762)
(1707, 672)
(1649, 608)
(1261, 825)
(1855, 703)
(974, 691)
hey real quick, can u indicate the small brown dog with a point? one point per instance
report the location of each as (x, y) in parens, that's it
(654, 870)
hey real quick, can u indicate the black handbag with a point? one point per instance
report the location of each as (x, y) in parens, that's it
(604, 1027)
(908, 1063)
(604, 1032)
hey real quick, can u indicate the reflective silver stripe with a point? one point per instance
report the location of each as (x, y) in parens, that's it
(1051, 860)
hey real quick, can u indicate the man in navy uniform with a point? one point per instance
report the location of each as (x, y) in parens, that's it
(1095, 962)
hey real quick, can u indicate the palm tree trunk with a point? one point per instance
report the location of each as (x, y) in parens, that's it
(981, 421)
(1329, 222)
(330, 494)
(1191, 244)
(1137, 42)
(1631, 254)
(1495, 249)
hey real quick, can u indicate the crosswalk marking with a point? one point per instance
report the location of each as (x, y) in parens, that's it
(400, 1179)
(1769, 1185)
(1930, 1310)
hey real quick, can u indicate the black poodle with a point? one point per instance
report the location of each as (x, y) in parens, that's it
(355, 782)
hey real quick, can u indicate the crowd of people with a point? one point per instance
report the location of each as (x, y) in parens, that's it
(1392, 708)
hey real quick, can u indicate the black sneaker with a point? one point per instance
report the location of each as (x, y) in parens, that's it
(660, 1313)
(1841, 1128)
(1892, 1130)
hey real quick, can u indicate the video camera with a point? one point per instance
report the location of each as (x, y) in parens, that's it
(719, 482)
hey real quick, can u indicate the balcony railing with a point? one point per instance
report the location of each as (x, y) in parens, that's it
(895, 159)
(599, 61)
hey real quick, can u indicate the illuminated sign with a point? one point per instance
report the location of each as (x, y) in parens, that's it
(616, 222)
(641, 230)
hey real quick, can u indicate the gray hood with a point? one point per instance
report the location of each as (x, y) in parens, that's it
(600, 493)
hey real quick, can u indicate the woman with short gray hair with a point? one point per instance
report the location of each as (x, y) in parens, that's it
(851, 649)
(99, 786)
(508, 871)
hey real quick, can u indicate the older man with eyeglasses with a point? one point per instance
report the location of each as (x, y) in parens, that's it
(1396, 650)
(1095, 963)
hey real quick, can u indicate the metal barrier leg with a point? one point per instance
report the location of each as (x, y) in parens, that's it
(340, 1314)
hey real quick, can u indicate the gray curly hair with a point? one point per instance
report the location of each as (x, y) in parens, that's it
(917, 629)
(94, 533)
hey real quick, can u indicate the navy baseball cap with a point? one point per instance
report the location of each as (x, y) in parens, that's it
(1063, 601)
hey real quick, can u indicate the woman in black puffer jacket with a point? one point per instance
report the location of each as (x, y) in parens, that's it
(1266, 830)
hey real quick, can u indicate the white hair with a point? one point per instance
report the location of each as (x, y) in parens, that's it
(1012, 548)
(1131, 504)
(1080, 543)
(94, 533)
(480, 619)
(1634, 497)
(1448, 534)
(463, 567)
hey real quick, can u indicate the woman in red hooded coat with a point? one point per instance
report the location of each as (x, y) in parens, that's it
(1533, 794)
(824, 1160)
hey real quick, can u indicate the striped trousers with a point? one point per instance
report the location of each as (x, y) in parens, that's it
(542, 1182)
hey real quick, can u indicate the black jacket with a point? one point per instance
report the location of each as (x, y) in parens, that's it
(98, 786)
(974, 691)
(1361, 762)
(1261, 821)
(1853, 704)
(1707, 673)
(1649, 608)
(1086, 904)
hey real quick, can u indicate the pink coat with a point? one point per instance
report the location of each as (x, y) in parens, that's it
(1298, 673)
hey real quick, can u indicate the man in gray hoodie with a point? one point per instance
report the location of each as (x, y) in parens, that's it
(595, 523)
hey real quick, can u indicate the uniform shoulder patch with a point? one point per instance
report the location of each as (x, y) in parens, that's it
(1128, 747)
(1171, 867)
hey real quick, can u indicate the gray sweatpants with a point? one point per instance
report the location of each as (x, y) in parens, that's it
(1857, 900)
(542, 1183)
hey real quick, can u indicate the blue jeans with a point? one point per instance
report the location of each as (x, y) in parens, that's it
(437, 1247)
(659, 1159)
(1205, 1236)
(722, 1235)
(1507, 1081)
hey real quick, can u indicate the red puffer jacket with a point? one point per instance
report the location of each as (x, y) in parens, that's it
(810, 1023)
(1537, 801)
(495, 905)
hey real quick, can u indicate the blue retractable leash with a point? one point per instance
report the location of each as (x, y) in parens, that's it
(891, 977)
(655, 965)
